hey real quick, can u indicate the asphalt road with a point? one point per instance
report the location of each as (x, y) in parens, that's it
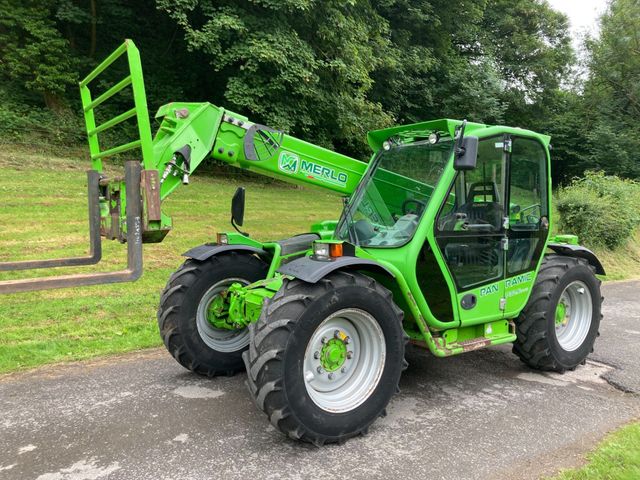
(480, 415)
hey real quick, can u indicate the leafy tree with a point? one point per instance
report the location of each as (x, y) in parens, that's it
(327, 71)
(612, 91)
(33, 53)
(297, 65)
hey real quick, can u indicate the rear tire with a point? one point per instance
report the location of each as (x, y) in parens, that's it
(186, 333)
(301, 324)
(558, 327)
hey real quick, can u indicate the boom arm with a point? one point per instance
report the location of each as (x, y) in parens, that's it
(189, 133)
(129, 208)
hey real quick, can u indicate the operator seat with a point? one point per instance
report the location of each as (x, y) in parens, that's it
(488, 210)
(478, 257)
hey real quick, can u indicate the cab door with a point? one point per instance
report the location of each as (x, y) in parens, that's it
(528, 224)
(471, 234)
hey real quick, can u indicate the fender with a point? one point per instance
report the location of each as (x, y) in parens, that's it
(311, 271)
(578, 251)
(208, 250)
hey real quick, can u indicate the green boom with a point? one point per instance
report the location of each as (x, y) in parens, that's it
(190, 133)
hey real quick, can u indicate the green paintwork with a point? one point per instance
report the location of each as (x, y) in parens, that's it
(567, 239)
(333, 354)
(561, 314)
(218, 312)
(213, 132)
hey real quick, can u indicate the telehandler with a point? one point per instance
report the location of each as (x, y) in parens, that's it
(444, 242)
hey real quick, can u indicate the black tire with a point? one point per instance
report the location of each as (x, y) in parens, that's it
(275, 360)
(537, 344)
(178, 308)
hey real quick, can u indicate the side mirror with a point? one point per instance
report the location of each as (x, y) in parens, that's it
(466, 154)
(237, 207)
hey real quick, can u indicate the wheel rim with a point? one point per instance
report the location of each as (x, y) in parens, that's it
(344, 360)
(219, 339)
(573, 316)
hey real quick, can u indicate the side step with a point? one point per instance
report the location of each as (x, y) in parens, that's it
(467, 339)
(134, 244)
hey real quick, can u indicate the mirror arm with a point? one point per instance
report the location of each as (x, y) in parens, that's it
(233, 224)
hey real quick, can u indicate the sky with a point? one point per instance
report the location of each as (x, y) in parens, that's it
(583, 15)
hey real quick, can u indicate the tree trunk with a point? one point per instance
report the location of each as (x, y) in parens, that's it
(94, 23)
(54, 102)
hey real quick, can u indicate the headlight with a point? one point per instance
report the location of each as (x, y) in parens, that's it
(321, 251)
(327, 251)
(434, 138)
(222, 239)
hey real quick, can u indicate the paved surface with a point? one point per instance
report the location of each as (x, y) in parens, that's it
(619, 342)
(480, 415)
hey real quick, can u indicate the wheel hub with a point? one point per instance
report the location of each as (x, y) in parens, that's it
(220, 308)
(562, 316)
(212, 318)
(333, 354)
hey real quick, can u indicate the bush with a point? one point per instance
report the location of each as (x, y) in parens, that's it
(602, 210)
(28, 124)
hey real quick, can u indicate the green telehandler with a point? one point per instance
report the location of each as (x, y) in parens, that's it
(444, 243)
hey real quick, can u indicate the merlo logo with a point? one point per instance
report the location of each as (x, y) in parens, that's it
(289, 162)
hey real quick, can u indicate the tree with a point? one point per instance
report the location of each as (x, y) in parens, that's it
(612, 91)
(33, 53)
(297, 65)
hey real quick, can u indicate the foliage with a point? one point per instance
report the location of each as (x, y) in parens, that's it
(325, 71)
(299, 66)
(328, 71)
(595, 124)
(33, 51)
(612, 92)
(602, 210)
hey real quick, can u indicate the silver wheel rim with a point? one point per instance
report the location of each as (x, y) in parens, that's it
(219, 339)
(350, 385)
(572, 329)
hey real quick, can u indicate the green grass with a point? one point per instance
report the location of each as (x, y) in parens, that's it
(43, 214)
(616, 458)
(622, 263)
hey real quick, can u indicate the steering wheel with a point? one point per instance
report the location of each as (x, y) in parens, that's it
(531, 218)
(413, 201)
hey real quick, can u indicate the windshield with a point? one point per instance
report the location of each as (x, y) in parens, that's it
(387, 206)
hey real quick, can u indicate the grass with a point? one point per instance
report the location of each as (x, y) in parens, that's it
(616, 458)
(622, 263)
(43, 214)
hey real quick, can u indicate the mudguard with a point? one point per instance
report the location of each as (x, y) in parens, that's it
(208, 250)
(578, 252)
(310, 270)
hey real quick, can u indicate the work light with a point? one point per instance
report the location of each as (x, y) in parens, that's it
(327, 251)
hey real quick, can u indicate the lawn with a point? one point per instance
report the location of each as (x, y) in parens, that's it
(43, 215)
(617, 458)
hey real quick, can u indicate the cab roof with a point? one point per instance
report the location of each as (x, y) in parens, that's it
(448, 126)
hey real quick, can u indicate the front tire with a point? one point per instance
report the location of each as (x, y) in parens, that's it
(557, 329)
(326, 358)
(182, 316)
